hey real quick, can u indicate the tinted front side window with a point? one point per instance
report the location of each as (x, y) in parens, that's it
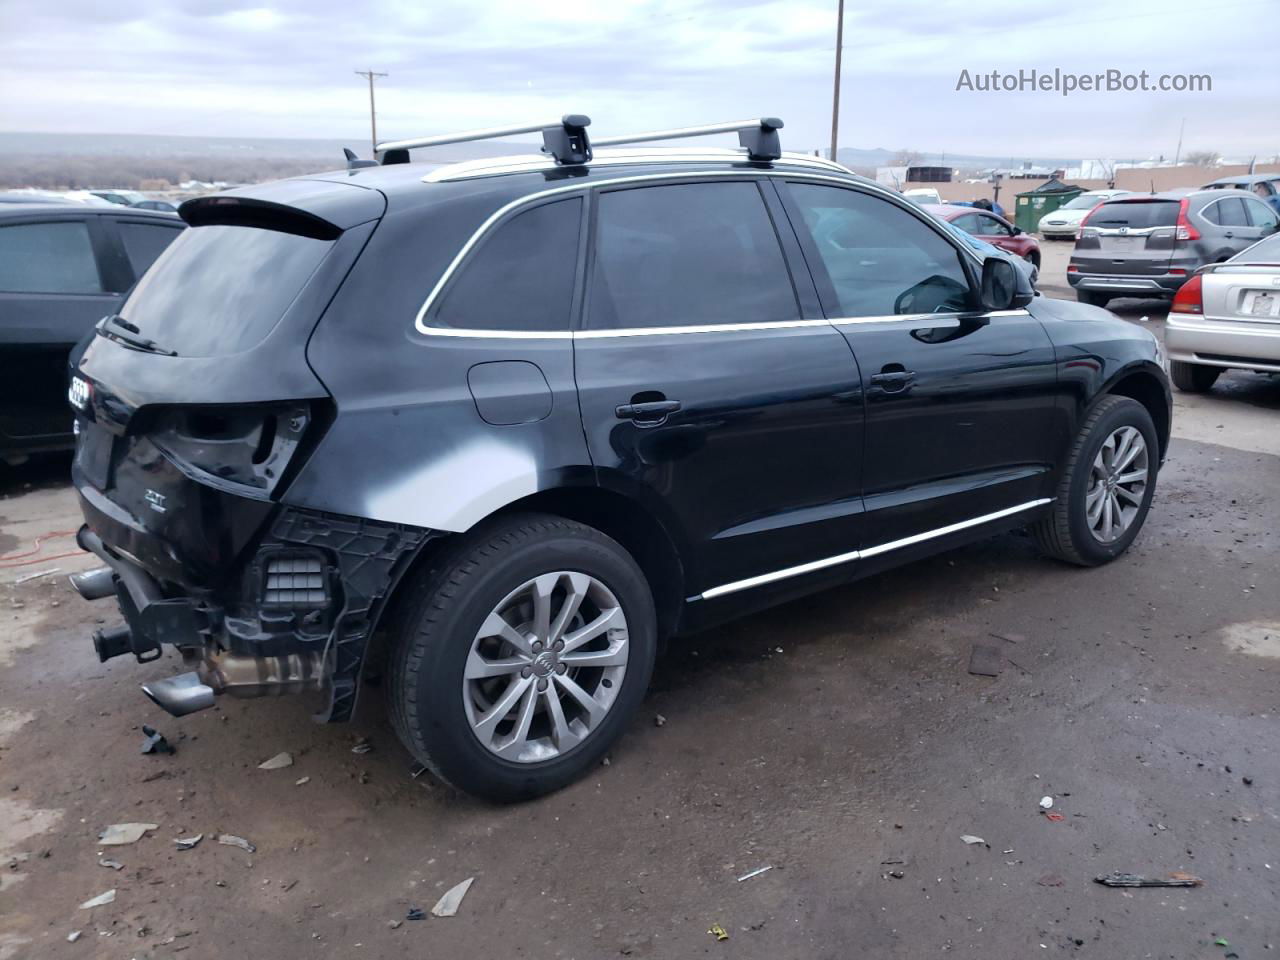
(144, 242)
(687, 254)
(219, 290)
(48, 258)
(881, 260)
(521, 277)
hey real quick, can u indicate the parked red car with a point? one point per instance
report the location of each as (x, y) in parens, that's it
(994, 229)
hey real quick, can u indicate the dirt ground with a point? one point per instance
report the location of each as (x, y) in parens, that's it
(838, 740)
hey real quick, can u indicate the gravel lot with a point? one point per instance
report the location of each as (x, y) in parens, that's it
(839, 740)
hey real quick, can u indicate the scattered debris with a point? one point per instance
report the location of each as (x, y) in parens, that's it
(73, 936)
(188, 843)
(415, 913)
(101, 900)
(896, 874)
(659, 720)
(396, 924)
(448, 905)
(1050, 880)
(113, 864)
(37, 576)
(301, 780)
(1247, 781)
(1221, 942)
(971, 839)
(1010, 637)
(1054, 817)
(1046, 803)
(755, 873)
(986, 660)
(231, 840)
(121, 833)
(279, 761)
(155, 741)
(362, 746)
(719, 932)
(1176, 879)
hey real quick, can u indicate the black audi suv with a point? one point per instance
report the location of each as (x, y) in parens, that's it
(505, 425)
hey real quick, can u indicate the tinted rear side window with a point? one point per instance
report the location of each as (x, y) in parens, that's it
(1138, 214)
(521, 277)
(48, 258)
(687, 254)
(219, 290)
(144, 242)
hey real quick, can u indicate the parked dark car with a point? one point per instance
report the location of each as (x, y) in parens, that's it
(995, 230)
(1265, 186)
(1148, 245)
(62, 268)
(503, 426)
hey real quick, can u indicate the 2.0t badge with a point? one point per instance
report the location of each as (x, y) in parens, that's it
(78, 393)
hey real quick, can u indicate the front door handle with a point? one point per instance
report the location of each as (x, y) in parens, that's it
(653, 411)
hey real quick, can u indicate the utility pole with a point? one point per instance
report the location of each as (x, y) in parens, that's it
(1178, 156)
(373, 114)
(835, 99)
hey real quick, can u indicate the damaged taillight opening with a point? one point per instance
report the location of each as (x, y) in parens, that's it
(248, 447)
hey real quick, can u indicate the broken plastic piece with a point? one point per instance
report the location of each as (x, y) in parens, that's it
(231, 840)
(719, 932)
(279, 761)
(101, 900)
(415, 913)
(364, 746)
(1046, 803)
(986, 660)
(1055, 817)
(188, 843)
(1176, 879)
(755, 873)
(122, 833)
(155, 742)
(970, 839)
(448, 905)
(113, 864)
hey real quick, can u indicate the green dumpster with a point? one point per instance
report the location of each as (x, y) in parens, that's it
(1031, 205)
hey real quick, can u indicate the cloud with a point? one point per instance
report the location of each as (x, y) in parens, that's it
(286, 68)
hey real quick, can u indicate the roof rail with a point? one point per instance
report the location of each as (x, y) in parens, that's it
(759, 136)
(564, 139)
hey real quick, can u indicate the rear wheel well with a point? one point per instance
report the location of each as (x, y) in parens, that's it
(1146, 389)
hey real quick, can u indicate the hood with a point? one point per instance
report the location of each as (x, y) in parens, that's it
(1070, 216)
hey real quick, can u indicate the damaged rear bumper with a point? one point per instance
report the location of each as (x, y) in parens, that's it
(297, 616)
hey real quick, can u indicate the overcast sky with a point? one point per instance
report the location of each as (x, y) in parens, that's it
(284, 68)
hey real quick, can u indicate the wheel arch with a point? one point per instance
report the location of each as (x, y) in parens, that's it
(1148, 388)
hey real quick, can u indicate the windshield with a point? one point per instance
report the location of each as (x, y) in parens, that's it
(219, 290)
(1137, 214)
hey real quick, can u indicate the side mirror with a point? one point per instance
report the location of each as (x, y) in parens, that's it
(1017, 231)
(999, 284)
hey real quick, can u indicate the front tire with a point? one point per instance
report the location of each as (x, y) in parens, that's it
(1106, 487)
(529, 647)
(1193, 377)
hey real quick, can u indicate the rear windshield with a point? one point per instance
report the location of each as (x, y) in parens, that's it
(219, 290)
(1137, 214)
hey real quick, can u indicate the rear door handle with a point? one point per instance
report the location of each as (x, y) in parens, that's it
(650, 412)
(893, 381)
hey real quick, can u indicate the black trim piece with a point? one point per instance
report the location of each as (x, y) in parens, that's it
(252, 212)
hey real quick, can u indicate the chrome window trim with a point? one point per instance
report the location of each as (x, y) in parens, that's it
(847, 181)
(814, 565)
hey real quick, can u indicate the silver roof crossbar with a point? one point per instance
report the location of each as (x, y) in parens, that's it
(759, 136)
(565, 139)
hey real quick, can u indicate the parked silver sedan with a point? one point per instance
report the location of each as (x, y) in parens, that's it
(1227, 316)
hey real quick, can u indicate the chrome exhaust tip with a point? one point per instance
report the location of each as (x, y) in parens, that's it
(186, 693)
(95, 584)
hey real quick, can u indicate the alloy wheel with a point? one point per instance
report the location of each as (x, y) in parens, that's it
(1117, 484)
(545, 667)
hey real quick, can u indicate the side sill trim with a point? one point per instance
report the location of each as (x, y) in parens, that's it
(813, 565)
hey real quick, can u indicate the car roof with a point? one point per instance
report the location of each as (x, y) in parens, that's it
(71, 211)
(1247, 178)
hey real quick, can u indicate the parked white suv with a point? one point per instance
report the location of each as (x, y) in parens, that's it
(1063, 223)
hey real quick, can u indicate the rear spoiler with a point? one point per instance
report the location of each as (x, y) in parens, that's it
(254, 212)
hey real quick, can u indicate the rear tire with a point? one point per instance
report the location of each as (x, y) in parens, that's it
(1093, 299)
(1072, 531)
(453, 666)
(1193, 377)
